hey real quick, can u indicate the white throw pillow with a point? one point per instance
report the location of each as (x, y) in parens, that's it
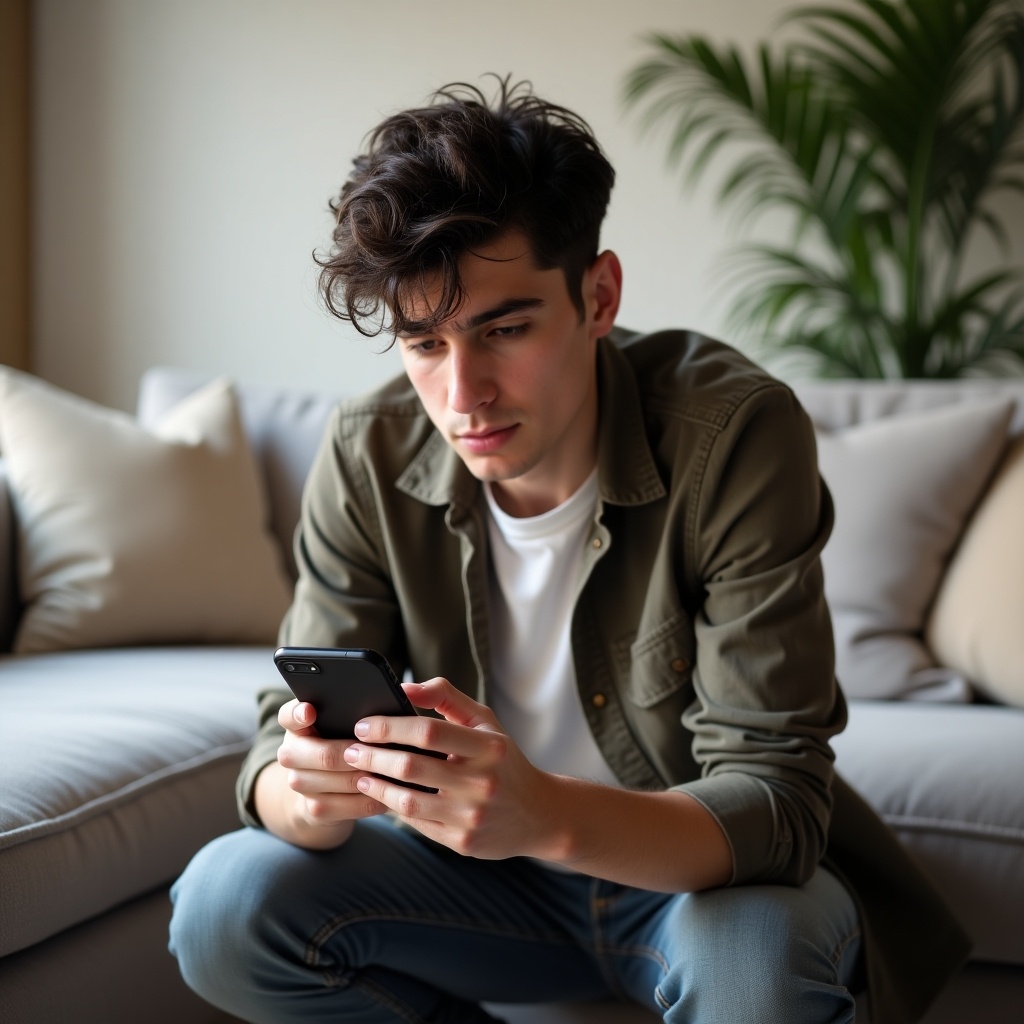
(977, 622)
(904, 487)
(128, 536)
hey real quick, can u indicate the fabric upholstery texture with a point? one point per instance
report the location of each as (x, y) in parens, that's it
(977, 622)
(927, 769)
(117, 766)
(903, 490)
(130, 536)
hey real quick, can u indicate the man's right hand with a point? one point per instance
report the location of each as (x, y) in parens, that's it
(309, 796)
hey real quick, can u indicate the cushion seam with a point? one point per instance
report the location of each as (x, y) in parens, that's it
(124, 794)
(916, 823)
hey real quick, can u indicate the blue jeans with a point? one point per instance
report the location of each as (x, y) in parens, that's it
(390, 928)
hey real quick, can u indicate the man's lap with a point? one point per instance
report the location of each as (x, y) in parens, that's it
(497, 931)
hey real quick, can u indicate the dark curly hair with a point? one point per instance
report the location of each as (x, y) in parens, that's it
(439, 181)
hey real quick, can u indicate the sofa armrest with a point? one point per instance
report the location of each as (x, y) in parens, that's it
(9, 601)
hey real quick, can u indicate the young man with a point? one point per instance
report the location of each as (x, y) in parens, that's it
(601, 553)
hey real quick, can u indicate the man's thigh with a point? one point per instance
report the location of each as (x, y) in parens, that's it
(389, 901)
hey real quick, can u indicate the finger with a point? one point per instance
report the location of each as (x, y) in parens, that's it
(311, 783)
(429, 734)
(412, 805)
(304, 751)
(439, 695)
(296, 716)
(332, 808)
(405, 765)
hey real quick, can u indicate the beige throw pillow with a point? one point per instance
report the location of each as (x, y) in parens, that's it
(134, 537)
(904, 487)
(977, 623)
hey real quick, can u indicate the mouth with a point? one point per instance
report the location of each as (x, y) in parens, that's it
(483, 442)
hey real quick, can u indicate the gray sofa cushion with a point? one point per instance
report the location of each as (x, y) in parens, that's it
(903, 490)
(116, 767)
(948, 779)
(879, 653)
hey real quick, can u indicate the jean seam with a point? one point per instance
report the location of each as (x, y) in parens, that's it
(385, 998)
(840, 950)
(335, 925)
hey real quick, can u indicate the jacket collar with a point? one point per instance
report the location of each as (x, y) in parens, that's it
(627, 474)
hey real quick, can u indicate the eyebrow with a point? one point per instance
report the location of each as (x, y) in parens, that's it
(506, 308)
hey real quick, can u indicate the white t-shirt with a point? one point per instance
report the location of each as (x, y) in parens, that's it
(534, 579)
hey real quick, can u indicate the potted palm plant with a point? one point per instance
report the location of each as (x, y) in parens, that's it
(885, 128)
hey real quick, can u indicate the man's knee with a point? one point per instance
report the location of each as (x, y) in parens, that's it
(220, 908)
(758, 954)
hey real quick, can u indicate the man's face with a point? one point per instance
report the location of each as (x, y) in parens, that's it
(510, 380)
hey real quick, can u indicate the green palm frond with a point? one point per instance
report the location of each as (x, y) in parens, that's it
(801, 157)
(886, 130)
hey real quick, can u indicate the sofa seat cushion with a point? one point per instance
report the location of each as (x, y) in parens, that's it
(947, 779)
(116, 766)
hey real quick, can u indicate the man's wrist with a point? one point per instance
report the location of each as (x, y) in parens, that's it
(559, 841)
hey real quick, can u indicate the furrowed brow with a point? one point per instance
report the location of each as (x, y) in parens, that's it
(506, 308)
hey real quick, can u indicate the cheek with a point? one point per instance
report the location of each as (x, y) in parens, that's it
(430, 390)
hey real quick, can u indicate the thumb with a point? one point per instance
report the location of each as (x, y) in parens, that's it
(449, 701)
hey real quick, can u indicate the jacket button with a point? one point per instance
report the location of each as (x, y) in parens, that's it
(599, 700)
(679, 665)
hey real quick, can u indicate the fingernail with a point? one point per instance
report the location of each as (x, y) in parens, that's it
(363, 784)
(362, 728)
(352, 754)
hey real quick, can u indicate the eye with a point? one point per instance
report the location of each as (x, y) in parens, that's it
(510, 330)
(422, 348)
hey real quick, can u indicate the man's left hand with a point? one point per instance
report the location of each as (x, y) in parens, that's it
(491, 802)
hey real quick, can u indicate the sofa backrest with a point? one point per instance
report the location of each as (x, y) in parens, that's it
(285, 428)
(835, 405)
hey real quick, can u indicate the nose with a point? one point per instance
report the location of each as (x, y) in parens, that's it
(470, 383)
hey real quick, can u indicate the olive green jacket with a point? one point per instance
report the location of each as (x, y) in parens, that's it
(701, 638)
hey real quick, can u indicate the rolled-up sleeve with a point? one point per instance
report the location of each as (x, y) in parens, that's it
(767, 702)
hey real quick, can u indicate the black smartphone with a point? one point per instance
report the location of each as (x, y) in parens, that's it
(346, 684)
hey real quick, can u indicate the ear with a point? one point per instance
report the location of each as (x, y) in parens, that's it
(602, 290)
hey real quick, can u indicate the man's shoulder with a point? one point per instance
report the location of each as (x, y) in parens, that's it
(685, 374)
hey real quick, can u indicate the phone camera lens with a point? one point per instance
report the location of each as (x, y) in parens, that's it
(289, 668)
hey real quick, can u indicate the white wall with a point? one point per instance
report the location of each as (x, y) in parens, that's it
(186, 149)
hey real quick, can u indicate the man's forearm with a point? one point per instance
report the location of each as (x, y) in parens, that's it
(664, 841)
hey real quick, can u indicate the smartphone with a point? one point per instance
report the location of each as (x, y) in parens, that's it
(346, 684)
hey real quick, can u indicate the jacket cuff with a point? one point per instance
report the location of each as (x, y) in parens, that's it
(743, 806)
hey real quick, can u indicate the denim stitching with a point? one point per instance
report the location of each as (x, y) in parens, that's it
(382, 996)
(647, 952)
(597, 904)
(838, 952)
(604, 953)
(335, 925)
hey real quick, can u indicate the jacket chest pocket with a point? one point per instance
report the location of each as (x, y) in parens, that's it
(657, 664)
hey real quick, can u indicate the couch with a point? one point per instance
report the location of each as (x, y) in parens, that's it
(120, 738)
